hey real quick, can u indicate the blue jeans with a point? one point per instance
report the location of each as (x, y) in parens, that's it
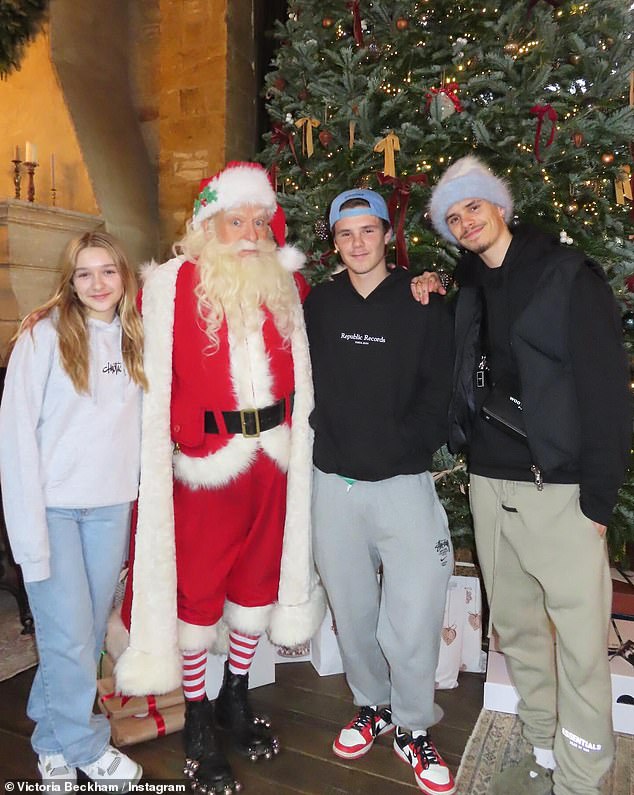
(70, 609)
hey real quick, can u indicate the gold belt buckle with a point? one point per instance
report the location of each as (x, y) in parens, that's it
(243, 424)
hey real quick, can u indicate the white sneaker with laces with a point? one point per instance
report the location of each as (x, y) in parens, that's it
(53, 768)
(113, 771)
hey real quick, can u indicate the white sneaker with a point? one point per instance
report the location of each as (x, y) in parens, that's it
(53, 768)
(113, 771)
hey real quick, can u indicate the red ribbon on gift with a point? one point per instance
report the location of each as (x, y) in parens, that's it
(108, 696)
(283, 139)
(549, 112)
(450, 90)
(156, 715)
(398, 204)
(353, 5)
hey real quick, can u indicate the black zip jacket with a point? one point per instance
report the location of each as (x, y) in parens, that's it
(554, 326)
(382, 374)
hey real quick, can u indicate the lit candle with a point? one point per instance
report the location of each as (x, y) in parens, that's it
(52, 171)
(17, 152)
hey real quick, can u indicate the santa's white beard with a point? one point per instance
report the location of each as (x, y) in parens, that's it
(235, 286)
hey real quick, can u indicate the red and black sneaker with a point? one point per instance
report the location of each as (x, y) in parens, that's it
(430, 771)
(357, 737)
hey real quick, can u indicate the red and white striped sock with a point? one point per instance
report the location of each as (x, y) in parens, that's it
(241, 651)
(194, 669)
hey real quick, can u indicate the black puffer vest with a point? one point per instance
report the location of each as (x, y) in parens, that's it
(539, 341)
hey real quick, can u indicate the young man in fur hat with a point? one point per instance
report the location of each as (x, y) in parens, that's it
(537, 328)
(223, 536)
(382, 375)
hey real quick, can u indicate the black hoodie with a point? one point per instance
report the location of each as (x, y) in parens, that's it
(382, 375)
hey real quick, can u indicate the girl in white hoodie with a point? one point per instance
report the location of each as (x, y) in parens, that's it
(69, 468)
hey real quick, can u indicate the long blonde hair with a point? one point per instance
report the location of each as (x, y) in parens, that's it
(72, 330)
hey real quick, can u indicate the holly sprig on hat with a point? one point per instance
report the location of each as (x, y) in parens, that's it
(207, 195)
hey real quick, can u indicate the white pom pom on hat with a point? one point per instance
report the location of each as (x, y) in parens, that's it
(467, 178)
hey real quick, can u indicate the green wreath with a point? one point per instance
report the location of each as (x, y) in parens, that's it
(20, 21)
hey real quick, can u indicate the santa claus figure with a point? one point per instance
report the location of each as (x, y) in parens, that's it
(222, 544)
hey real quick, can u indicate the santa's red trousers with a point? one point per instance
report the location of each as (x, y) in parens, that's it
(229, 542)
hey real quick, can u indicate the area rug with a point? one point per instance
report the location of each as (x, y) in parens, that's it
(17, 651)
(497, 742)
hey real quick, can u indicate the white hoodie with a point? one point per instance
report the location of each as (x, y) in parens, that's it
(61, 449)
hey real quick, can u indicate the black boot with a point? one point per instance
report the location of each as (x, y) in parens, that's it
(206, 766)
(251, 735)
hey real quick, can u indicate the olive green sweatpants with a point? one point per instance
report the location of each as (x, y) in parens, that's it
(548, 582)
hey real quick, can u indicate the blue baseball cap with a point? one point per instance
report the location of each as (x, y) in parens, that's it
(376, 202)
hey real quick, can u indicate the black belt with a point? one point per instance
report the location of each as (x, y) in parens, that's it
(250, 422)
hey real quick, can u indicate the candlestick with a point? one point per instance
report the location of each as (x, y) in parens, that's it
(17, 175)
(30, 170)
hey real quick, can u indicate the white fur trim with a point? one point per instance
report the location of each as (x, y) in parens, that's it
(294, 624)
(192, 637)
(291, 258)
(249, 620)
(219, 468)
(139, 673)
(152, 662)
(235, 187)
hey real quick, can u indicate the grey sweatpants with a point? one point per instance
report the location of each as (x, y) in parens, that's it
(389, 633)
(545, 570)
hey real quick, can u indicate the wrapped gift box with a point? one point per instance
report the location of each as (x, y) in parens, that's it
(461, 635)
(115, 706)
(324, 648)
(155, 723)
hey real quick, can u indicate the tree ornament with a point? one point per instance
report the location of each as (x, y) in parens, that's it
(443, 102)
(325, 138)
(327, 22)
(402, 24)
(511, 48)
(628, 321)
(607, 158)
(389, 145)
(321, 229)
(578, 139)
(550, 113)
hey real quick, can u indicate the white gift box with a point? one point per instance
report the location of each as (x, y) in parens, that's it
(262, 671)
(461, 635)
(324, 648)
(500, 695)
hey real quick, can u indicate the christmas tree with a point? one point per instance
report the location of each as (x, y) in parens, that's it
(387, 94)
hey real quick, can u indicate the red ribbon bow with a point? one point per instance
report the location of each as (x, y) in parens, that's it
(398, 204)
(283, 139)
(353, 5)
(450, 90)
(540, 111)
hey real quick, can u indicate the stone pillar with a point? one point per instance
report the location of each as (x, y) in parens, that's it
(207, 99)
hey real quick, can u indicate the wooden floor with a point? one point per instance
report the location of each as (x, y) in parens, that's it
(306, 711)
